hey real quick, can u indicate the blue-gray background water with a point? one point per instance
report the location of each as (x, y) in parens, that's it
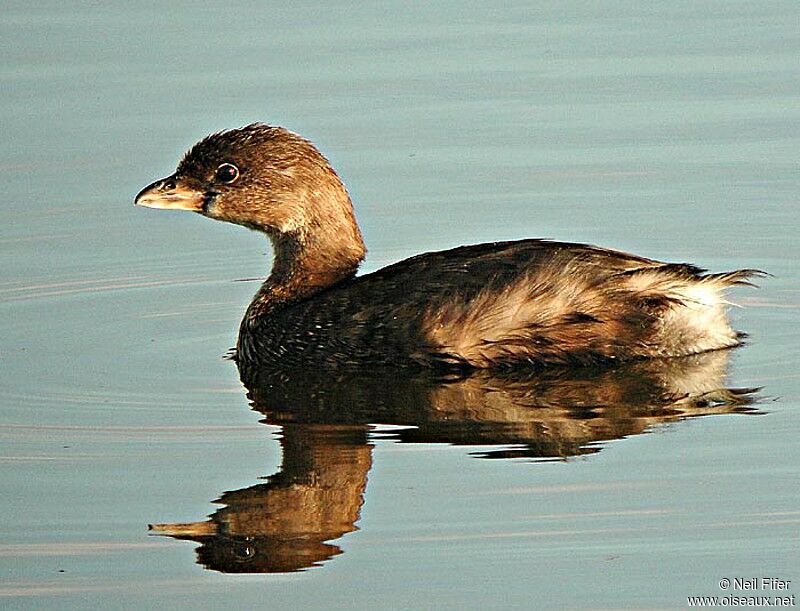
(668, 129)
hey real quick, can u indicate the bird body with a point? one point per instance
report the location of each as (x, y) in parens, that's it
(495, 305)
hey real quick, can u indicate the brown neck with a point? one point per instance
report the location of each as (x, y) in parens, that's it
(303, 266)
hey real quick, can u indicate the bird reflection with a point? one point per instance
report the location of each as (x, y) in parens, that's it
(287, 523)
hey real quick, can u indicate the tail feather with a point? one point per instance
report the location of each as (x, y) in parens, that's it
(739, 277)
(693, 315)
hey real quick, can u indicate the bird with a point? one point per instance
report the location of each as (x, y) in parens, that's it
(495, 306)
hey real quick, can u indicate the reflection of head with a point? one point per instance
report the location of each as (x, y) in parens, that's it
(262, 554)
(282, 526)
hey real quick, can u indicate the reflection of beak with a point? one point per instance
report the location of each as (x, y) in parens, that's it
(192, 529)
(170, 195)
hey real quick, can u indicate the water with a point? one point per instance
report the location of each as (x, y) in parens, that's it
(670, 130)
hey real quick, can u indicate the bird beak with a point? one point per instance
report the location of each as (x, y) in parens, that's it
(169, 194)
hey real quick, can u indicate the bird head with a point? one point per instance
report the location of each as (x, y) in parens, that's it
(268, 179)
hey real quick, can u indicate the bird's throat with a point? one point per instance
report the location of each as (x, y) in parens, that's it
(303, 267)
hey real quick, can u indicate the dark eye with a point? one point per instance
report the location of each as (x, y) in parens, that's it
(227, 173)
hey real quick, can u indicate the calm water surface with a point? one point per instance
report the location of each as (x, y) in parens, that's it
(669, 130)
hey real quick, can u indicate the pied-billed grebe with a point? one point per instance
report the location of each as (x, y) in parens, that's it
(483, 306)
